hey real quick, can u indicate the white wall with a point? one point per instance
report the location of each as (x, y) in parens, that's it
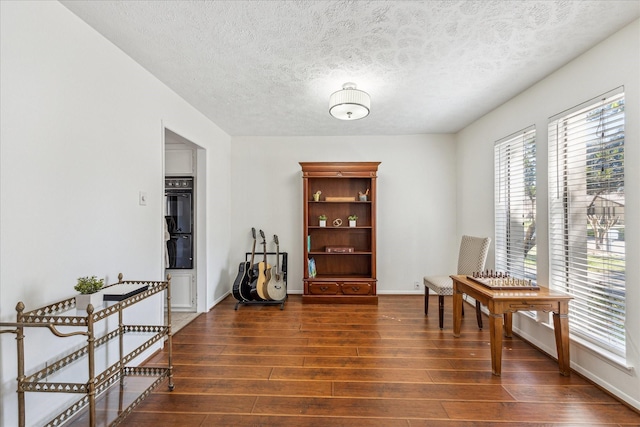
(613, 63)
(416, 200)
(81, 135)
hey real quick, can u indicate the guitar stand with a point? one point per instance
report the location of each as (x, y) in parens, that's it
(264, 302)
(283, 271)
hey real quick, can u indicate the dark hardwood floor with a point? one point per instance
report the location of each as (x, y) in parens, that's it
(355, 365)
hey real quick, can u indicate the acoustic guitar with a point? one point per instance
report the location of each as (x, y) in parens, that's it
(242, 284)
(276, 289)
(264, 273)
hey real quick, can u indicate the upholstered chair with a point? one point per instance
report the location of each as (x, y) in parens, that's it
(471, 258)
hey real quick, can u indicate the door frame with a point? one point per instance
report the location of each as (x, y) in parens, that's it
(200, 196)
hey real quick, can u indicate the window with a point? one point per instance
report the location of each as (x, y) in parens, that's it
(586, 217)
(515, 204)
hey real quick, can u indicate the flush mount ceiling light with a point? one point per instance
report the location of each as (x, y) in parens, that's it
(349, 103)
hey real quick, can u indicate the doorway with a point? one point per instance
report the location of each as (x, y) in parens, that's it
(182, 163)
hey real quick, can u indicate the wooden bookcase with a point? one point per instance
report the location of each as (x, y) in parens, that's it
(347, 274)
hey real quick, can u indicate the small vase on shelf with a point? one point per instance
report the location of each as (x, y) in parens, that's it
(83, 300)
(89, 288)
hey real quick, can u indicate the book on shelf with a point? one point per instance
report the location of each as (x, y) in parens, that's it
(308, 243)
(312, 268)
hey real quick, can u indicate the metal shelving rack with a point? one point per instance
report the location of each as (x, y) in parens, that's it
(65, 314)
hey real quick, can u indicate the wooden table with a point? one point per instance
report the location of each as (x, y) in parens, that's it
(503, 303)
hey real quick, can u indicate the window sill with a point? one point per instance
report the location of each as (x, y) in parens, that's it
(613, 359)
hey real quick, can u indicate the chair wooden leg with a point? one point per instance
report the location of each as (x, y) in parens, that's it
(441, 310)
(426, 300)
(479, 314)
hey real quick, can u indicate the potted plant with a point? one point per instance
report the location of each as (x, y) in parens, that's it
(88, 288)
(352, 220)
(323, 220)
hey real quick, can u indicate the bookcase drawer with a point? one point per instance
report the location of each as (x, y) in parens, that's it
(356, 288)
(323, 288)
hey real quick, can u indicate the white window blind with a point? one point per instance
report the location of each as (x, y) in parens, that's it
(515, 204)
(586, 217)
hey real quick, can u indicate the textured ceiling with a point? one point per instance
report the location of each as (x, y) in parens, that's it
(267, 68)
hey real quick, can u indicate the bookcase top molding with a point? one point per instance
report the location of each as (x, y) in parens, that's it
(341, 167)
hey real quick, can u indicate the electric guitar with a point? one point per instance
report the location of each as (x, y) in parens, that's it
(276, 289)
(242, 284)
(264, 273)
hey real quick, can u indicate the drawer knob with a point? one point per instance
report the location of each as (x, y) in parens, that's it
(324, 288)
(355, 288)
